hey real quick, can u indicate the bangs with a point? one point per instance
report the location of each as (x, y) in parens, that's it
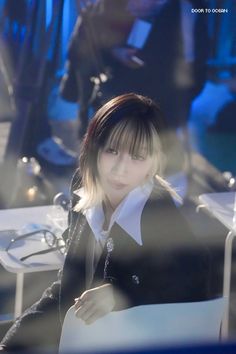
(134, 137)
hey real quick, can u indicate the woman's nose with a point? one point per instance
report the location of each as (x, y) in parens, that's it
(120, 166)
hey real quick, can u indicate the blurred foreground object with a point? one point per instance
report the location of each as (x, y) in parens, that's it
(30, 187)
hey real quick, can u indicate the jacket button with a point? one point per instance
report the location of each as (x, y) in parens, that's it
(135, 279)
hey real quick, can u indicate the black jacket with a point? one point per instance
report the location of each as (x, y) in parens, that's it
(171, 266)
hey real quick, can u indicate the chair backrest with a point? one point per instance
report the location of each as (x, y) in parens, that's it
(145, 326)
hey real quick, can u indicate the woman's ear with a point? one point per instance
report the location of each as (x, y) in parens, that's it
(154, 169)
(160, 164)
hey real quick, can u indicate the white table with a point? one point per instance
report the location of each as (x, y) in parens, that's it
(16, 219)
(222, 206)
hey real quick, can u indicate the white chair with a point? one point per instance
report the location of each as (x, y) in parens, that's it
(145, 326)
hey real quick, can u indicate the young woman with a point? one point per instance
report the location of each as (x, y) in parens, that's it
(128, 244)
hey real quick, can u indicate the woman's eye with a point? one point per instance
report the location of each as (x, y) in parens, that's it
(138, 157)
(111, 151)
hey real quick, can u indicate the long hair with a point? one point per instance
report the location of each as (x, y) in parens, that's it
(128, 121)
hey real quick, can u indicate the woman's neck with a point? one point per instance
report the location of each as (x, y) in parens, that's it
(108, 209)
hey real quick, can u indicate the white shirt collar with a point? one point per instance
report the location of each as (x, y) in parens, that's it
(127, 215)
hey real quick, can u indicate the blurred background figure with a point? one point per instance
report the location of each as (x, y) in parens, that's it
(15, 24)
(212, 123)
(156, 47)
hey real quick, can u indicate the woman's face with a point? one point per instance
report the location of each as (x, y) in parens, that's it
(119, 172)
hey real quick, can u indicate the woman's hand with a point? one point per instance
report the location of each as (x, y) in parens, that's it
(95, 303)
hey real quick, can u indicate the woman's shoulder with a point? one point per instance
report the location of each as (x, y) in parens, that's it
(163, 209)
(159, 208)
(163, 194)
(75, 185)
(75, 181)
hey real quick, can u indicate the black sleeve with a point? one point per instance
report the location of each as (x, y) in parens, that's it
(39, 326)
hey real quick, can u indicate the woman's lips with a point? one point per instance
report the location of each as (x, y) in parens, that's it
(117, 185)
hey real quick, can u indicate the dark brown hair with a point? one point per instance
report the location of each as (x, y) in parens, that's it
(126, 121)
